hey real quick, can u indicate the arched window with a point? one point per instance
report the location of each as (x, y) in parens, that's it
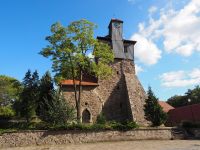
(86, 116)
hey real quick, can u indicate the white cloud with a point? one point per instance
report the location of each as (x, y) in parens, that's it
(178, 31)
(138, 69)
(181, 30)
(145, 50)
(185, 50)
(180, 78)
(195, 73)
(152, 9)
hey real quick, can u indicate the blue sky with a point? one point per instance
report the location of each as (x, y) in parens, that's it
(167, 52)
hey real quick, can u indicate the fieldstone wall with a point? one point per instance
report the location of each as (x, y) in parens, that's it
(113, 92)
(30, 138)
(89, 100)
(136, 97)
(119, 98)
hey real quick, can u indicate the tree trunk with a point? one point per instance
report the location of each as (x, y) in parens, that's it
(79, 96)
(75, 92)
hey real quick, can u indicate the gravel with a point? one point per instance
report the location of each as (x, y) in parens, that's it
(123, 145)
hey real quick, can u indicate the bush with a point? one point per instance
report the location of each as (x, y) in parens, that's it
(113, 125)
(101, 119)
(127, 125)
(131, 125)
(24, 125)
(6, 112)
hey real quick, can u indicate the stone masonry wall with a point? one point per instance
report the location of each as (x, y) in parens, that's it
(114, 95)
(30, 138)
(89, 100)
(120, 97)
(136, 96)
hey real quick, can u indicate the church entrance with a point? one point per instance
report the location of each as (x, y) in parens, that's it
(86, 116)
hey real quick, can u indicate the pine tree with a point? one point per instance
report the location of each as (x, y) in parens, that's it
(45, 97)
(29, 95)
(60, 112)
(52, 107)
(153, 111)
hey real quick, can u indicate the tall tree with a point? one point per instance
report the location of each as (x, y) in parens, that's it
(192, 96)
(46, 89)
(29, 95)
(52, 108)
(9, 90)
(69, 47)
(153, 111)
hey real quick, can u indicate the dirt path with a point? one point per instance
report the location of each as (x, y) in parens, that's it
(126, 145)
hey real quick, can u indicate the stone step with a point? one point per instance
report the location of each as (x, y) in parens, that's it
(179, 133)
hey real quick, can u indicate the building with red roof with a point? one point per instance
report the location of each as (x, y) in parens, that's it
(185, 113)
(166, 107)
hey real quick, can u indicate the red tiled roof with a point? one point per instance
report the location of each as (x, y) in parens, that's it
(84, 83)
(166, 107)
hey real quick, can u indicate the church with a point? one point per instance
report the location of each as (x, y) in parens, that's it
(120, 97)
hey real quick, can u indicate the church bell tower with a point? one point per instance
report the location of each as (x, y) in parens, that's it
(115, 32)
(122, 49)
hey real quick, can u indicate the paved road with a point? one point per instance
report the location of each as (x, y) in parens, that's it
(126, 145)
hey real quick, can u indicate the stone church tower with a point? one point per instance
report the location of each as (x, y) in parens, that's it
(120, 97)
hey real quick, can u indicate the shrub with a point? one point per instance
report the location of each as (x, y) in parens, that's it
(131, 125)
(113, 125)
(101, 119)
(127, 125)
(6, 112)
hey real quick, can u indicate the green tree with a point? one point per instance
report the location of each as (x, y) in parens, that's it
(46, 89)
(10, 89)
(153, 111)
(192, 96)
(52, 107)
(177, 101)
(29, 95)
(57, 110)
(69, 47)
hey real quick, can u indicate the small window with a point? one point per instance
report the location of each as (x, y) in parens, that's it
(118, 87)
(125, 49)
(86, 103)
(117, 72)
(120, 105)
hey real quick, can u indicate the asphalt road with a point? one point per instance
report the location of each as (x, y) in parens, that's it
(124, 145)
